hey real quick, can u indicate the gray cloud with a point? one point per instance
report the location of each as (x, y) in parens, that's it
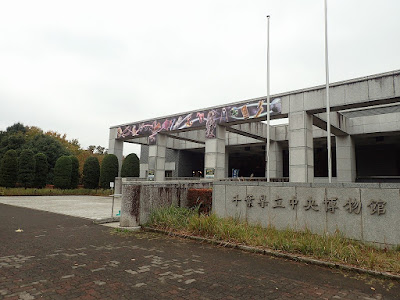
(78, 67)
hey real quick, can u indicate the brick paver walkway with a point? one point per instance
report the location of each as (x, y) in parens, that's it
(62, 257)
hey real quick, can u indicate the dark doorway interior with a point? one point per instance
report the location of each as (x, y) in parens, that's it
(250, 160)
(321, 158)
(321, 162)
(378, 159)
(190, 163)
(285, 158)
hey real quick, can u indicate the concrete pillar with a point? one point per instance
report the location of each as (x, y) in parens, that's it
(118, 186)
(226, 163)
(215, 153)
(157, 157)
(301, 156)
(276, 160)
(116, 147)
(345, 159)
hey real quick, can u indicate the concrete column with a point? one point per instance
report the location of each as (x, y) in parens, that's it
(116, 147)
(276, 160)
(157, 157)
(215, 153)
(345, 159)
(226, 163)
(301, 156)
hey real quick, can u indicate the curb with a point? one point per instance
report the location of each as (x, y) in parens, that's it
(274, 253)
(106, 220)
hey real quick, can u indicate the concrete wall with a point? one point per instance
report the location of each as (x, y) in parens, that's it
(366, 212)
(364, 89)
(387, 122)
(140, 198)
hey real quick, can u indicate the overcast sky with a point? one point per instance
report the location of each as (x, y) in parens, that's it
(79, 67)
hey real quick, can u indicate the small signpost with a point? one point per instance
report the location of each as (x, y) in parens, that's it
(150, 175)
(210, 173)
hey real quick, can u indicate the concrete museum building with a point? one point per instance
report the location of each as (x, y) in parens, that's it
(204, 149)
(230, 140)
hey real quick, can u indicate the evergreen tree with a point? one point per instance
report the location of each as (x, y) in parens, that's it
(74, 172)
(17, 127)
(91, 173)
(51, 147)
(9, 169)
(108, 171)
(14, 141)
(41, 170)
(26, 168)
(130, 166)
(62, 172)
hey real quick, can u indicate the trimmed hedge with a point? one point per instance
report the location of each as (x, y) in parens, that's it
(41, 170)
(130, 166)
(9, 169)
(108, 171)
(74, 172)
(62, 172)
(91, 173)
(26, 168)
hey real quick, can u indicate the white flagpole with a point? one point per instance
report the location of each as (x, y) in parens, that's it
(268, 104)
(328, 108)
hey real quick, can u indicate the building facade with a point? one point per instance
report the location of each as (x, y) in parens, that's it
(230, 140)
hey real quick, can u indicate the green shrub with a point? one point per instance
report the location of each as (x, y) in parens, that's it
(9, 169)
(108, 171)
(91, 173)
(26, 168)
(51, 147)
(41, 170)
(130, 166)
(62, 172)
(74, 172)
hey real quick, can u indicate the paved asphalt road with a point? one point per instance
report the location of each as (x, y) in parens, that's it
(64, 257)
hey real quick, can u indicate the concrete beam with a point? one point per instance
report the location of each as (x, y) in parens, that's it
(323, 125)
(183, 138)
(244, 133)
(382, 101)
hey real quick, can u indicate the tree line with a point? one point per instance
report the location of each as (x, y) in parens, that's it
(31, 158)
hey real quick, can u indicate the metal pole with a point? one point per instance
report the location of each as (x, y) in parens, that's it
(328, 108)
(113, 194)
(268, 104)
(112, 207)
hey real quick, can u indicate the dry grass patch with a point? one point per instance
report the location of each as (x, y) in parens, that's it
(330, 247)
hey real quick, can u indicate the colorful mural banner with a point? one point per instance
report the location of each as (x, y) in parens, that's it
(204, 118)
